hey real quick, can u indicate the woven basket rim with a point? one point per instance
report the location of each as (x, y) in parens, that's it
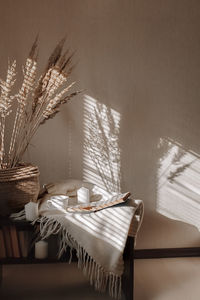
(19, 166)
(22, 171)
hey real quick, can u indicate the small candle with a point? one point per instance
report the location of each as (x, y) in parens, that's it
(41, 250)
(31, 211)
(83, 195)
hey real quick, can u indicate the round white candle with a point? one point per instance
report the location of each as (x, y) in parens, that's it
(41, 250)
(83, 195)
(31, 211)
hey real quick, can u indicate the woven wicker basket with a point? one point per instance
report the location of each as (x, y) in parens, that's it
(18, 186)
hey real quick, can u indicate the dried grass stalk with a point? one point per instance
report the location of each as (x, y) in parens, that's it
(37, 100)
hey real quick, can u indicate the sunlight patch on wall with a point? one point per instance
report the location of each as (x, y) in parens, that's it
(101, 155)
(178, 194)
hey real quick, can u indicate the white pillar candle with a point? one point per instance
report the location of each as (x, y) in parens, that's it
(83, 195)
(41, 250)
(31, 211)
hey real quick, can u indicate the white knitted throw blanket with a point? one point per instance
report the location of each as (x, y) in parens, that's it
(99, 237)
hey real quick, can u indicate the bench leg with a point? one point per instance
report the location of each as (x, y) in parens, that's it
(128, 276)
(1, 273)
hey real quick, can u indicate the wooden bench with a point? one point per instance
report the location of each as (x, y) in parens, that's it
(128, 276)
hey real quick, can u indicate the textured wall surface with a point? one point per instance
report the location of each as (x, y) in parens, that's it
(139, 58)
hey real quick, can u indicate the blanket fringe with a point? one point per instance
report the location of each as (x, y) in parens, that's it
(19, 216)
(97, 275)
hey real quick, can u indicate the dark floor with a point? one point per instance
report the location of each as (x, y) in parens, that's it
(52, 282)
(156, 279)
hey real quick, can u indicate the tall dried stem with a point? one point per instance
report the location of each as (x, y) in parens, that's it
(5, 106)
(37, 100)
(22, 96)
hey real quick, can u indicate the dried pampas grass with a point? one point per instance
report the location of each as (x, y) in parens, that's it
(38, 100)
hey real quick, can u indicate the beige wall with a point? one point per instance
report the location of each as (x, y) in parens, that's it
(141, 58)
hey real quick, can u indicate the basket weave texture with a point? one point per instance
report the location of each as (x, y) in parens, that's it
(18, 186)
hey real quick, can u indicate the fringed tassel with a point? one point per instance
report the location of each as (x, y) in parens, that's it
(19, 216)
(97, 275)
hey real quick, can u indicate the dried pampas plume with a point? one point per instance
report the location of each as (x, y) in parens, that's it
(37, 100)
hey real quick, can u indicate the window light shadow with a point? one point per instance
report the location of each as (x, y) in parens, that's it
(113, 232)
(101, 155)
(178, 192)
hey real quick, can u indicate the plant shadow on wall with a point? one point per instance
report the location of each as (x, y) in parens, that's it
(178, 193)
(102, 164)
(101, 155)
